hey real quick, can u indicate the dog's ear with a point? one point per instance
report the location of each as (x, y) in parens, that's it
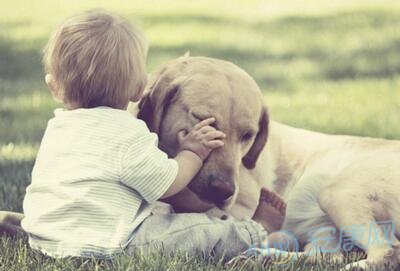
(250, 159)
(153, 105)
(187, 54)
(146, 110)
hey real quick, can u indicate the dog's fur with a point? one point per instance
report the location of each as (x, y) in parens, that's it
(327, 180)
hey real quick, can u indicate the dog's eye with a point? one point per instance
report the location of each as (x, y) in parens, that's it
(200, 117)
(246, 136)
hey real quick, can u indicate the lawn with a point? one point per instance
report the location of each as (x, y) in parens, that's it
(330, 66)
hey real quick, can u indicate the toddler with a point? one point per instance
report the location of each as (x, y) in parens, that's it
(99, 172)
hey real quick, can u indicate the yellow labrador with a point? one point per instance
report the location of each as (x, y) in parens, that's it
(336, 183)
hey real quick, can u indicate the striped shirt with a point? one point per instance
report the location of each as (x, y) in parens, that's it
(97, 176)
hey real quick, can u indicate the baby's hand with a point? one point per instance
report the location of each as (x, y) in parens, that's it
(202, 139)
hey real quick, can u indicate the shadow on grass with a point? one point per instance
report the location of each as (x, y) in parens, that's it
(181, 19)
(18, 63)
(25, 125)
(348, 21)
(368, 62)
(14, 178)
(374, 57)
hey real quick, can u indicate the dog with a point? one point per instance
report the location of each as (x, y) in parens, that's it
(329, 181)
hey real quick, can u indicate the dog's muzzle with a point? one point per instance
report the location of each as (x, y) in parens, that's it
(219, 192)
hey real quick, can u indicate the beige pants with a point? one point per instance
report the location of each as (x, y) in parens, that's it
(194, 233)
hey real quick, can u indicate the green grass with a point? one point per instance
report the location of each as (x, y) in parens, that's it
(330, 66)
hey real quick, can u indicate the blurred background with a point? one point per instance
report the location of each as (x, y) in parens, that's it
(327, 65)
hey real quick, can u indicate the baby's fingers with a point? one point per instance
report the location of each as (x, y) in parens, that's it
(206, 129)
(181, 136)
(214, 135)
(203, 123)
(214, 144)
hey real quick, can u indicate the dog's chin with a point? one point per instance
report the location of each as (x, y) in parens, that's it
(224, 205)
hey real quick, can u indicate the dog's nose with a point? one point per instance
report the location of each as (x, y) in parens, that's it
(221, 190)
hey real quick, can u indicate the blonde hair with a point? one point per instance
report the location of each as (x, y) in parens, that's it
(97, 59)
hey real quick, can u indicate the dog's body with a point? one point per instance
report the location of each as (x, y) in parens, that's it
(328, 181)
(334, 181)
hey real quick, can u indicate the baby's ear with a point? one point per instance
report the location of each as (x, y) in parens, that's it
(57, 96)
(49, 81)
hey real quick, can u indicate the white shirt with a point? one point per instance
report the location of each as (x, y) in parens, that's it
(96, 176)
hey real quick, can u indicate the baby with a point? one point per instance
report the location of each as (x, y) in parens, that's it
(99, 171)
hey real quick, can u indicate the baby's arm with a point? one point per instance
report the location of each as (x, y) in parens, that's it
(186, 201)
(195, 148)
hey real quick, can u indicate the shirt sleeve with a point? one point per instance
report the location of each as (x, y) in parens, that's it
(147, 169)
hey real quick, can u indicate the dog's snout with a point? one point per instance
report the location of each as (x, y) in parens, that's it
(221, 190)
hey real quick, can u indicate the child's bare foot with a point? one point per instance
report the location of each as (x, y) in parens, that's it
(270, 211)
(10, 223)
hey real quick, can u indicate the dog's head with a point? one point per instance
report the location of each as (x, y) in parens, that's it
(189, 89)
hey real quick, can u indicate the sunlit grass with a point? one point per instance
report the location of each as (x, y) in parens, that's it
(20, 152)
(366, 107)
(37, 99)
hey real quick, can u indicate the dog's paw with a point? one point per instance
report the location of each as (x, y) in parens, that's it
(359, 265)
